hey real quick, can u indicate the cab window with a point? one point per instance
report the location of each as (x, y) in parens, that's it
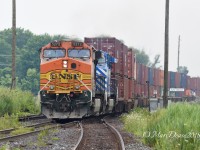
(79, 53)
(54, 53)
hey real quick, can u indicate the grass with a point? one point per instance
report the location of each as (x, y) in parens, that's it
(9, 121)
(176, 127)
(17, 102)
(21, 130)
(41, 137)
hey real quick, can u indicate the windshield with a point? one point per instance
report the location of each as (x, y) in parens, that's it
(79, 53)
(54, 53)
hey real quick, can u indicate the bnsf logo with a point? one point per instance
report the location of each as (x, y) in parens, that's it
(64, 76)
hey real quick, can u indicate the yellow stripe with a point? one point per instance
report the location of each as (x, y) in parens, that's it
(82, 76)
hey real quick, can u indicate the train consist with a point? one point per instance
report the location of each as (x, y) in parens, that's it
(98, 76)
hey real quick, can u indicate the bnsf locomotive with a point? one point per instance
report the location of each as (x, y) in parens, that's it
(75, 80)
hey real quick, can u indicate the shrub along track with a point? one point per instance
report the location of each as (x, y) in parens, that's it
(98, 135)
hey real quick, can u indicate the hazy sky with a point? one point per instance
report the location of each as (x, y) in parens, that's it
(139, 23)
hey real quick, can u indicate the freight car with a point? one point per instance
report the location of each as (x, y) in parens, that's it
(132, 76)
(75, 80)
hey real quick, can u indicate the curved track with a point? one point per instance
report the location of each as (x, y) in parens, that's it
(98, 134)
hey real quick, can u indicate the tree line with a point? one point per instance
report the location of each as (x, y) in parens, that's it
(27, 57)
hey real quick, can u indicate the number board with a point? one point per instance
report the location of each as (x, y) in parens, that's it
(77, 44)
(55, 44)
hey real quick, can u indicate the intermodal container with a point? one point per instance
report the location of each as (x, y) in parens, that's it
(177, 79)
(183, 82)
(124, 59)
(145, 74)
(150, 76)
(192, 83)
(161, 83)
(139, 73)
(138, 89)
(198, 84)
(146, 90)
(142, 90)
(131, 88)
(110, 45)
(188, 82)
(172, 79)
(156, 76)
(121, 88)
(131, 64)
(126, 90)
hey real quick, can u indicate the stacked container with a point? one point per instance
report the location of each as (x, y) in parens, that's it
(183, 81)
(151, 76)
(172, 79)
(120, 70)
(110, 45)
(131, 72)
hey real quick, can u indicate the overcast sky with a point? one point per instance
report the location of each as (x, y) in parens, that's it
(139, 23)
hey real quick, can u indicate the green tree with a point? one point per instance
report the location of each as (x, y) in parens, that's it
(141, 57)
(22, 37)
(183, 69)
(31, 81)
(5, 55)
(5, 76)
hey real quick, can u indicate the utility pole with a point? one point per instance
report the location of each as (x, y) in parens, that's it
(179, 39)
(13, 84)
(165, 100)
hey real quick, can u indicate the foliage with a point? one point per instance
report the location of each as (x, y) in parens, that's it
(41, 137)
(27, 60)
(134, 120)
(31, 78)
(9, 121)
(17, 102)
(141, 57)
(176, 127)
(183, 69)
(4, 147)
(21, 130)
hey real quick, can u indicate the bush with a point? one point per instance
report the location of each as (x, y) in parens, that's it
(17, 102)
(176, 127)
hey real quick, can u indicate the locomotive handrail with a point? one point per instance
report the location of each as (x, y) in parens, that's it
(85, 85)
(44, 85)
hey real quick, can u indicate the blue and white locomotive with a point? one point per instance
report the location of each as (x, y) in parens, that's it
(106, 87)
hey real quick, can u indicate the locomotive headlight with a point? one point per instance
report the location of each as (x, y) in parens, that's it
(77, 87)
(65, 64)
(52, 87)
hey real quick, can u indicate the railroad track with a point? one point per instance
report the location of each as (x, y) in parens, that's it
(37, 125)
(31, 117)
(51, 126)
(98, 134)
